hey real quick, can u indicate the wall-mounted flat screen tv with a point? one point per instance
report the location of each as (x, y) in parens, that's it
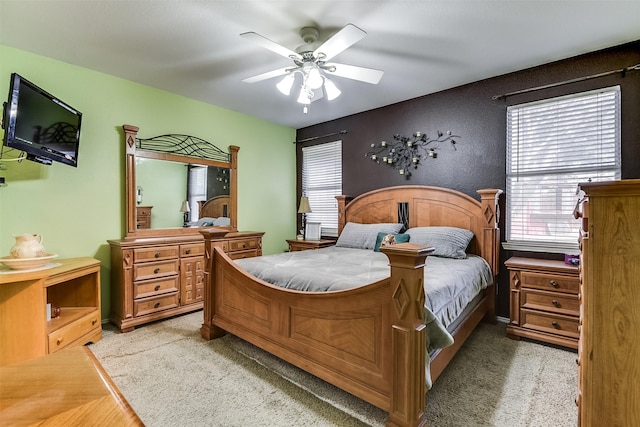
(45, 128)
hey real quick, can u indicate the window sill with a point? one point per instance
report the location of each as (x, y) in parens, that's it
(554, 248)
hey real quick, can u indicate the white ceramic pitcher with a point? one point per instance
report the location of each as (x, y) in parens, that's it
(27, 246)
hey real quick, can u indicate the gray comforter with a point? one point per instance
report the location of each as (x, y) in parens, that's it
(450, 284)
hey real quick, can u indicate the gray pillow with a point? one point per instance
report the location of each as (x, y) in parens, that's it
(363, 236)
(449, 242)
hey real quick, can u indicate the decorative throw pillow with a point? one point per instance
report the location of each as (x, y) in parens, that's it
(449, 242)
(363, 236)
(388, 239)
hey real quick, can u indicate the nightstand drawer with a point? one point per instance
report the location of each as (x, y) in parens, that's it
(243, 254)
(242, 244)
(155, 270)
(555, 302)
(155, 287)
(551, 323)
(550, 282)
(151, 305)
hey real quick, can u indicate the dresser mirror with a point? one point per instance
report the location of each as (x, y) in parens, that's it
(177, 184)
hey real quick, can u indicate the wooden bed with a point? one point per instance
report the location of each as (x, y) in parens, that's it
(368, 341)
(215, 207)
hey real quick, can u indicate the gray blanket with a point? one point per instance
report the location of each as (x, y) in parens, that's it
(449, 284)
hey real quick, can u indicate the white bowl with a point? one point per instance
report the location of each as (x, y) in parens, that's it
(27, 263)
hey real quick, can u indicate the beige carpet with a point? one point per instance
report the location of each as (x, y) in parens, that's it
(172, 377)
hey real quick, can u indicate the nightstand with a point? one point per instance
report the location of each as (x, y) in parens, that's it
(303, 245)
(544, 301)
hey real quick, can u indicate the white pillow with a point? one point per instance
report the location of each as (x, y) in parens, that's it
(363, 236)
(449, 242)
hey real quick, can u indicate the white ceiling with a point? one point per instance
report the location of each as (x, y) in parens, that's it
(193, 48)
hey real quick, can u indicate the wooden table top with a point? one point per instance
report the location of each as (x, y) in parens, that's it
(68, 388)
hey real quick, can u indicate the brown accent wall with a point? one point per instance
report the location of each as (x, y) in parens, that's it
(469, 111)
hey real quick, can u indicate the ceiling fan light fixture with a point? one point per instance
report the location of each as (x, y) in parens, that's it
(331, 89)
(285, 85)
(313, 78)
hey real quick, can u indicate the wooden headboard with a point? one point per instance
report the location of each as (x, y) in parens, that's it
(421, 206)
(215, 207)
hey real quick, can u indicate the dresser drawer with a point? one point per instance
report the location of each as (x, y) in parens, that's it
(151, 288)
(243, 244)
(193, 249)
(153, 270)
(555, 302)
(66, 335)
(551, 282)
(551, 323)
(243, 254)
(154, 304)
(156, 253)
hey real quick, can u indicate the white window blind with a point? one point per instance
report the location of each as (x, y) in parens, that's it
(197, 190)
(553, 145)
(322, 182)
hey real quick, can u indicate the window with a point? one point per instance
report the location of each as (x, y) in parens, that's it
(197, 189)
(322, 182)
(552, 145)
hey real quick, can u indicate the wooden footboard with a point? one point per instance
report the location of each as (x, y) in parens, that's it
(369, 341)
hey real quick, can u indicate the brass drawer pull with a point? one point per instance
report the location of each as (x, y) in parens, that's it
(554, 283)
(555, 302)
(188, 251)
(59, 341)
(157, 288)
(555, 324)
(156, 305)
(157, 255)
(156, 271)
(94, 321)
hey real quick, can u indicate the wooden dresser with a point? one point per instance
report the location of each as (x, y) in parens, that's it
(544, 301)
(156, 278)
(143, 217)
(609, 348)
(73, 286)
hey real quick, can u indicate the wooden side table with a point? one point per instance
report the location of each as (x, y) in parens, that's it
(544, 301)
(303, 245)
(68, 387)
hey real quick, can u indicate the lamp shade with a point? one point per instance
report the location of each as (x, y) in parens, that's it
(185, 207)
(304, 205)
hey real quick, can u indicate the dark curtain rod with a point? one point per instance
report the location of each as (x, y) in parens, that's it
(342, 132)
(623, 71)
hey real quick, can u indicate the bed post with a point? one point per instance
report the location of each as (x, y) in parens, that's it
(342, 204)
(491, 241)
(208, 330)
(408, 334)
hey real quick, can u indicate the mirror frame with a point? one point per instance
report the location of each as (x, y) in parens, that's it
(132, 152)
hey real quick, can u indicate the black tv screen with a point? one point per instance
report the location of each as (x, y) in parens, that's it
(41, 125)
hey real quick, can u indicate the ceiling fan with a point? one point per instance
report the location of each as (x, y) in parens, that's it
(311, 63)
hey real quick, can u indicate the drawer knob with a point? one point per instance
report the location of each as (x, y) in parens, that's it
(156, 305)
(94, 321)
(188, 251)
(555, 302)
(554, 283)
(157, 288)
(555, 324)
(157, 255)
(156, 271)
(59, 341)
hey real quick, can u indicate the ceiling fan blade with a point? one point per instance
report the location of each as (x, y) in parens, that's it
(271, 45)
(367, 75)
(346, 37)
(267, 75)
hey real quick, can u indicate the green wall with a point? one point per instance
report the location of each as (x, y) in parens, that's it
(78, 209)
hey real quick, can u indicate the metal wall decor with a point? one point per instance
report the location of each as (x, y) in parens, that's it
(406, 153)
